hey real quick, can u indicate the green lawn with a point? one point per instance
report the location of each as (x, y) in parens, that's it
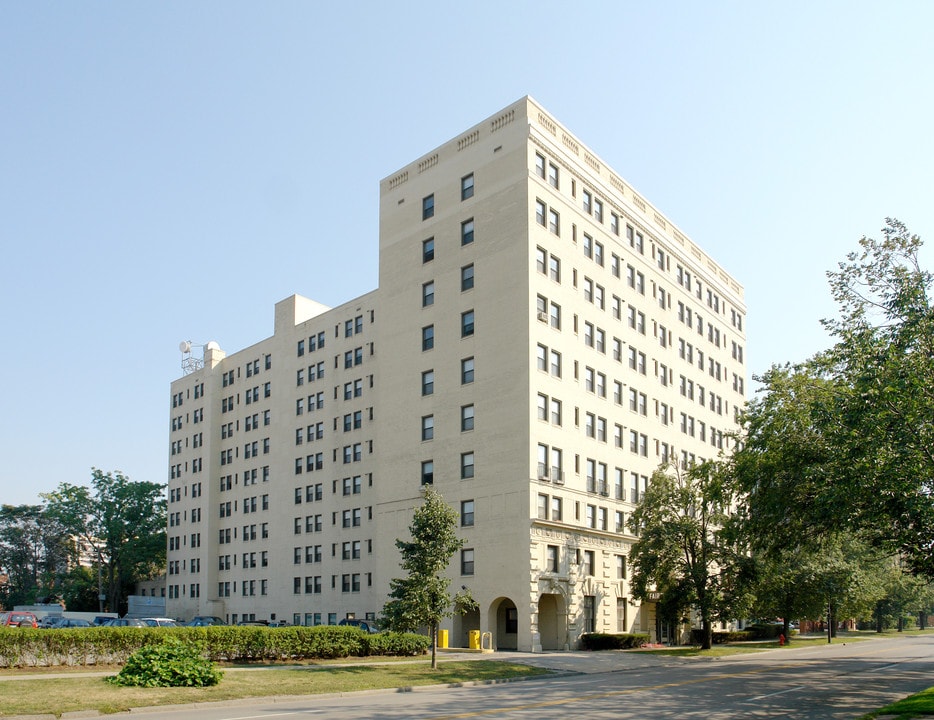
(914, 706)
(57, 695)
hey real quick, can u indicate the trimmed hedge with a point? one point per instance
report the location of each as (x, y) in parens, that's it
(618, 641)
(23, 647)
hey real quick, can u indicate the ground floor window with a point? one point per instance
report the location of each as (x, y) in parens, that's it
(590, 613)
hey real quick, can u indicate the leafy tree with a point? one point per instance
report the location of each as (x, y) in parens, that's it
(884, 355)
(121, 522)
(786, 462)
(422, 598)
(34, 553)
(686, 548)
(905, 594)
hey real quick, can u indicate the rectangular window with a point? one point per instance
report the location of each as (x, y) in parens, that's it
(467, 186)
(467, 509)
(467, 371)
(428, 207)
(428, 382)
(467, 322)
(467, 560)
(428, 427)
(467, 277)
(428, 254)
(551, 558)
(467, 465)
(428, 472)
(428, 337)
(428, 294)
(467, 232)
(467, 417)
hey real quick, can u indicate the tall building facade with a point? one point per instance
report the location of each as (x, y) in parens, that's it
(541, 339)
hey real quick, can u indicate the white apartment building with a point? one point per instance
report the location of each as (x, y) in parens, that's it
(541, 339)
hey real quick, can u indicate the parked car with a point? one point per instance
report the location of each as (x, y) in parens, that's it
(204, 621)
(19, 618)
(368, 626)
(160, 622)
(101, 619)
(50, 621)
(124, 622)
(254, 623)
(64, 622)
(278, 623)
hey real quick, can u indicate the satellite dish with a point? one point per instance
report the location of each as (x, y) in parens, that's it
(212, 346)
(185, 346)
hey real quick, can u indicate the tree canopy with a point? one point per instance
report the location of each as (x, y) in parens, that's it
(122, 523)
(685, 547)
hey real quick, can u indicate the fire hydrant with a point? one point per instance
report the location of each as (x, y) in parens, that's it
(781, 640)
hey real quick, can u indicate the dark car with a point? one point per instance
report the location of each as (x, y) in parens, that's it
(70, 623)
(368, 626)
(18, 618)
(205, 621)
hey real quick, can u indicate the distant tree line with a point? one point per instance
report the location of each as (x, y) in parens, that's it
(84, 546)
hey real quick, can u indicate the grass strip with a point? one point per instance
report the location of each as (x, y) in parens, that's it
(57, 695)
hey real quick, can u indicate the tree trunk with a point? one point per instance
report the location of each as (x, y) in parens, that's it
(707, 628)
(434, 646)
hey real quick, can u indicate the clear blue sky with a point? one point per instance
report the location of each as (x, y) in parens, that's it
(170, 170)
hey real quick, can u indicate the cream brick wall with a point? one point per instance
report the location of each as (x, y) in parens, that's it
(522, 603)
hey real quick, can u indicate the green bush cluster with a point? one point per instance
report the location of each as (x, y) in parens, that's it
(721, 636)
(94, 646)
(172, 663)
(616, 641)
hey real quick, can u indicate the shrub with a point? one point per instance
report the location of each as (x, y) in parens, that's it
(393, 643)
(618, 641)
(173, 663)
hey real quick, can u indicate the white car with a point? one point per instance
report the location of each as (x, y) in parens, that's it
(160, 622)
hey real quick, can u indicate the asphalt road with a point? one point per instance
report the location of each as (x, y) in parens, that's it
(829, 681)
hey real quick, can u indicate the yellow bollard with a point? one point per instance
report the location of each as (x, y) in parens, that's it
(442, 638)
(473, 639)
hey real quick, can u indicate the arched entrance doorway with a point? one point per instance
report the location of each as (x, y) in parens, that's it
(553, 622)
(504, 622)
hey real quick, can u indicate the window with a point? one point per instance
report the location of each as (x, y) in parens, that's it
(467, 371)
(551, 558)
(467, 561)
(590, 613)
(553, 177)
(542, 506)
(467, 323)
(467, 417)
(428, 382)
(556, 509)
(467, 465)
(540, 210)
(428, 207)
(467, 186)
(428, 337)
(554, 221)
(540, 165)
(428, 294)
(428, 427)
(467, 232)
(588, 563)
(467, 277)
(428, 254)
(428, 472)
(467, 513)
